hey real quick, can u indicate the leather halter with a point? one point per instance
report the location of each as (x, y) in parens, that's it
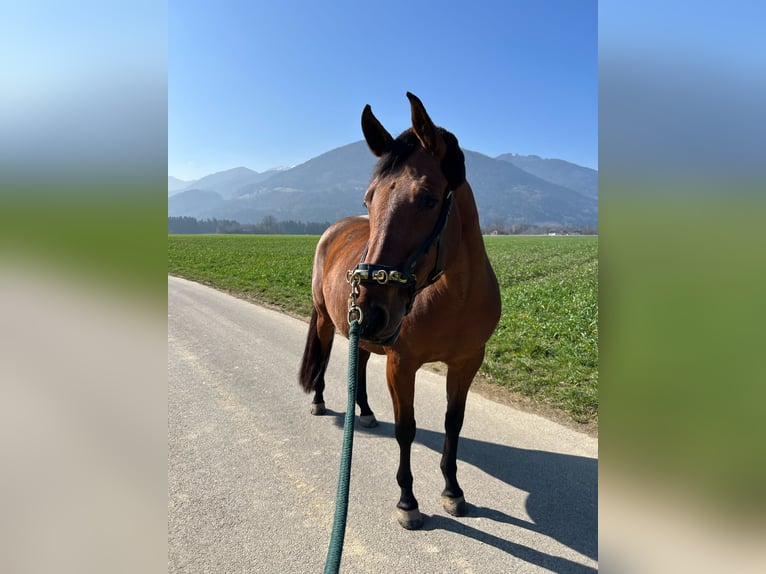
(405, 276)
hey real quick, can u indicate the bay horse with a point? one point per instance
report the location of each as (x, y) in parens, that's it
(425, 289)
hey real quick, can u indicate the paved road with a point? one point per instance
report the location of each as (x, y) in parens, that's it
(252, 476)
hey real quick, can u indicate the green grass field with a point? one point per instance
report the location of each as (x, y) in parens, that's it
(545, 347)
(275, 269)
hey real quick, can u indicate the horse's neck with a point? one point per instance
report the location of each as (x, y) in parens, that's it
(469, 215)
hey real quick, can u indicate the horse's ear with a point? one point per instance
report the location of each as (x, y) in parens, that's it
(424, 128)
(378, 139)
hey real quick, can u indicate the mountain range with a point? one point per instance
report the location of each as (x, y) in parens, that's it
(509, 189)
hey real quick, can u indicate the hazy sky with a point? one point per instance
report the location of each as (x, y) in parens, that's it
(266, 84)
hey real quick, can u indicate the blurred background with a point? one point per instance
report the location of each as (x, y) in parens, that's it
(83, 161)
(682, 265)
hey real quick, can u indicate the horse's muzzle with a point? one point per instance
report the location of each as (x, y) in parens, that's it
(376, 327)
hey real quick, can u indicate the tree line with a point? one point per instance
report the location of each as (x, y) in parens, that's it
(268, 226)
(532, 229)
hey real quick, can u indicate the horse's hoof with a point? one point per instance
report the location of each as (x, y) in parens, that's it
(318, 409)
(409, 519)
(368, 421)
(455, 506)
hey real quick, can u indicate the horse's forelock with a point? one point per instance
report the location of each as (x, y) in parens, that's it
(453, 163)
(401, 149)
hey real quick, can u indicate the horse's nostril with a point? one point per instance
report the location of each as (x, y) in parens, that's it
(375, 320)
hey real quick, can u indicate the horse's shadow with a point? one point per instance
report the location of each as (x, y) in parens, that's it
(562, 501)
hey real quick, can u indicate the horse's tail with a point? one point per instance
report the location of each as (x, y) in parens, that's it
(314, 360)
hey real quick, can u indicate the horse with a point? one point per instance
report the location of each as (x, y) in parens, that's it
(423, 288)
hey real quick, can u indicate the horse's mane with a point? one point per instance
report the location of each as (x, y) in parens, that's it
(453, 164)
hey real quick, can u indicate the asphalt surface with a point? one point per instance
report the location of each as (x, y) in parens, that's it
(252, 475)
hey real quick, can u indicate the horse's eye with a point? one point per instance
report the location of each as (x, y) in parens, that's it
(428, 202)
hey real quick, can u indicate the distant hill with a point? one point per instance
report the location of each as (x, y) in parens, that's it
(343, 169)
(193, 202)
(582, 179)
(227, 183)
(175, 184)
(506, 194)
(332, 185)
(325, 188)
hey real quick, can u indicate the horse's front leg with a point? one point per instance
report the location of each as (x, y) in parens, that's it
(401, 385)
(459, 378)
(366, 416)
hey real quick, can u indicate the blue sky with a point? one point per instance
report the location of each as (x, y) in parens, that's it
(265, 84)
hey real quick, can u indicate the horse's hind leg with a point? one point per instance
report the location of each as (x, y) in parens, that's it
(459, 378)
(315, 358)
(366, 416)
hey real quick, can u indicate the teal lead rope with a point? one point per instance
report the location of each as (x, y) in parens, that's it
(334, 552)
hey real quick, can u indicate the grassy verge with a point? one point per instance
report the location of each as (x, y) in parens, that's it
(545, 346)
(275, 269)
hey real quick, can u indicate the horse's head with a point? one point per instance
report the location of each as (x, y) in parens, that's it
(409, 201)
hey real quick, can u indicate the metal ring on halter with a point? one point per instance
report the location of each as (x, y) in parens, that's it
(355, 309)
(352, 275)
